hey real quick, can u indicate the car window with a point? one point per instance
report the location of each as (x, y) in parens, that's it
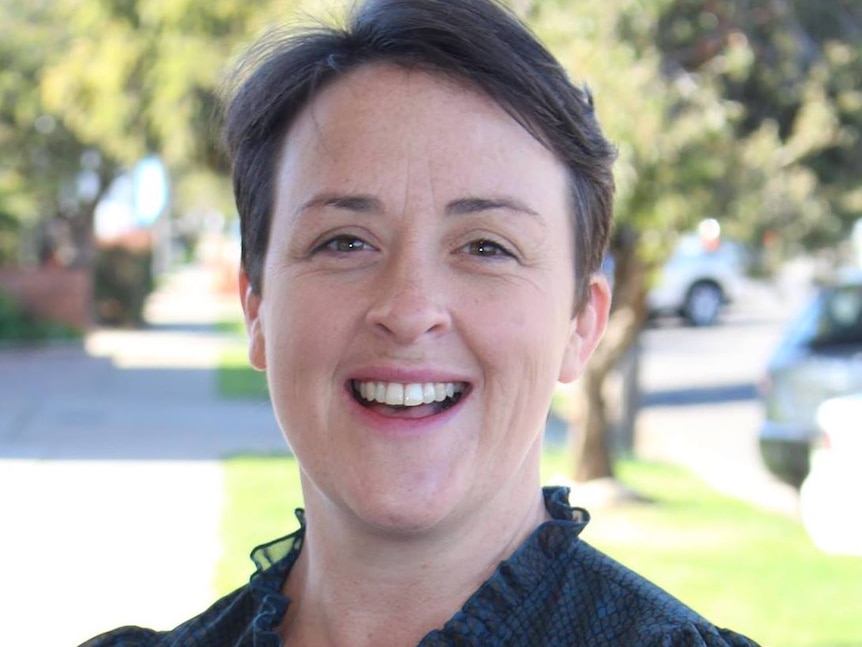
(689, 245)
(838, 317)
(692, 247)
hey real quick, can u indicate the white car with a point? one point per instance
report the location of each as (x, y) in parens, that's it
(698, 279)
(829, 496)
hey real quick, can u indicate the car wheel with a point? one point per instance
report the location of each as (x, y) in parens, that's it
(702, 304)
(787, 460)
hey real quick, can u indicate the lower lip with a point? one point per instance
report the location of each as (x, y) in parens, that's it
(405, 427)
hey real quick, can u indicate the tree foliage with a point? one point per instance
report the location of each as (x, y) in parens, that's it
(747, 112)
(143, 77)
(42, 159)
(89, 88)
(793, 68)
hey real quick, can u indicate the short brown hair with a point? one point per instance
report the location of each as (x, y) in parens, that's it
(477, 41)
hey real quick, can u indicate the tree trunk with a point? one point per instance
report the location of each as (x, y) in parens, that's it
(588, 425)
(83, 221)
(82, 226)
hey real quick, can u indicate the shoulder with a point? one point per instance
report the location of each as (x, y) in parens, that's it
(229, 618)
(557, 591)
(629, 609)
(700, 635)
(247, 616)
(126, 637)
(585, 597)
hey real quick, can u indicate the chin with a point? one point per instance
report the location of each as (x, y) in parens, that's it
(409, 514)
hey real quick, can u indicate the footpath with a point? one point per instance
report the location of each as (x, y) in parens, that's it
(110, 482)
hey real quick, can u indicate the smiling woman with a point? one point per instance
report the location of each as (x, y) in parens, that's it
(410, 269)
(425, 201)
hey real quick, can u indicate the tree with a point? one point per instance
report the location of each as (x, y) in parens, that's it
(142, 77)
(89, 88)
(49, 177)
(793, 67)
(663, 175)
(747, 112)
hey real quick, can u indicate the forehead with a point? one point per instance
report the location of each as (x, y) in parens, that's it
(389, 119)
(370, 85)
(379, 100)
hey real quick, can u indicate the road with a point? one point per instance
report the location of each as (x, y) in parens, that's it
(699, 395)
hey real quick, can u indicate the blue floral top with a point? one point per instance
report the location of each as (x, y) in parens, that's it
(555, 591)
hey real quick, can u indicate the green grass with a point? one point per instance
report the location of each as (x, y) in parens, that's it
(19, 327)
(753, 571)
(261, 494)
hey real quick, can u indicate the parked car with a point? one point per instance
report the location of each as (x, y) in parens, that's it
(700, 277)
(819, 357)
(830, 492)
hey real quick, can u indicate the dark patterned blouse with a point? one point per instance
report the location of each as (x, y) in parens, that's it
(555, 591)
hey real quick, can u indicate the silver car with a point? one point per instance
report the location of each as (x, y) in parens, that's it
(819, 357)
(698, 280)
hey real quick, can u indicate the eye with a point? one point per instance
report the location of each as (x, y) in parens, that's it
(487, 248)
(344, 243)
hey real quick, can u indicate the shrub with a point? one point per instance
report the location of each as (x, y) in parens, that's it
(122, 281)
(9, 238)
(17, 325)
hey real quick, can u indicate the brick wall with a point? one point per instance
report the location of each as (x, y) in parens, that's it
(55, 294)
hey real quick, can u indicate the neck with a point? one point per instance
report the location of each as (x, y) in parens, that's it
(356, 586)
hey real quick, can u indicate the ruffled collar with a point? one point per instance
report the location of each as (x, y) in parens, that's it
(513, 580)
(274, 561)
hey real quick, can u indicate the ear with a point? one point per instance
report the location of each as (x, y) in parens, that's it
(251, 302)
(586, 329)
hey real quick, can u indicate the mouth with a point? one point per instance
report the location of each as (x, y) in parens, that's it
(414, 400)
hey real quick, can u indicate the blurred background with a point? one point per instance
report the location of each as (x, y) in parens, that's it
(715, 436)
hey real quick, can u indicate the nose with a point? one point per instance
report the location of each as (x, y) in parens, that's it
(408, 303)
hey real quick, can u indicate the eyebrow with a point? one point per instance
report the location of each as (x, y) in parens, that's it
(470, 205)
(462, 206)
(357, 203)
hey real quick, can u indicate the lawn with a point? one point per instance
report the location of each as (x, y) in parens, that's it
(753, 571)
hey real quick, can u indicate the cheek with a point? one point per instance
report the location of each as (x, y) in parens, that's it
(307, 328)
(530, 347)
(522, 343)
(533, 316)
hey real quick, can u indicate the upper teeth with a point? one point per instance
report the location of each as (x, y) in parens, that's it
(407, 395)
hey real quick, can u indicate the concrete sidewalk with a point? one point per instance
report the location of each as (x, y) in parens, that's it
(110, 484)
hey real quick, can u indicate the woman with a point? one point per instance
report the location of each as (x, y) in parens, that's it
(425, 202)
